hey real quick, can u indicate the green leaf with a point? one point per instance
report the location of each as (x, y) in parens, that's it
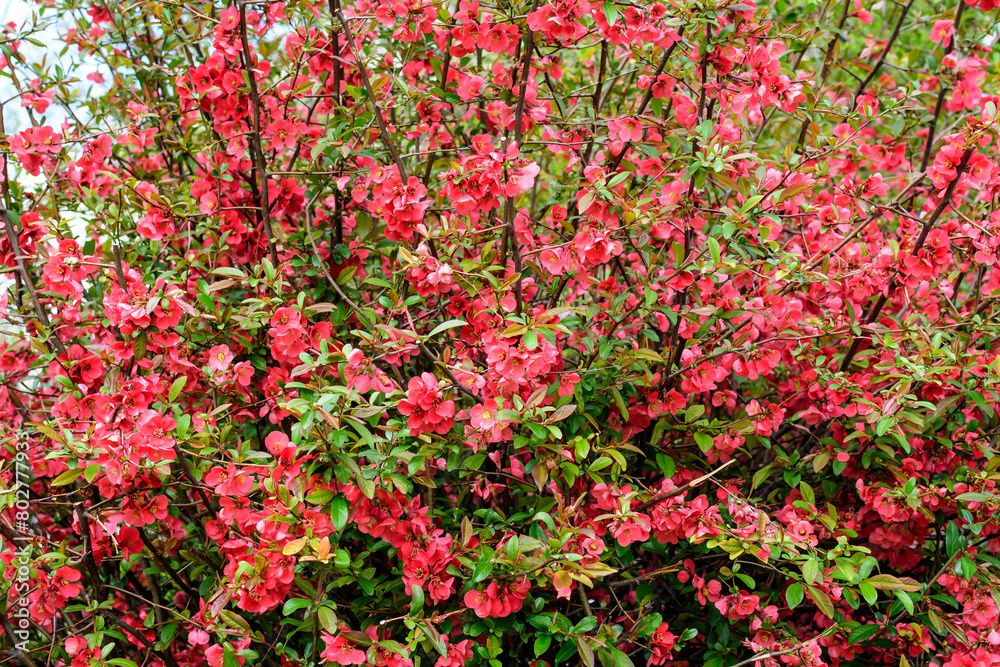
(530, 339)
(751, 202)
(822, 600)
(972, 497)
(794, 595)
(229, 272)
(713, 246)
(295, 604)
(67, 477)
(484, 568)
(542, 644)
(176, 388)
(620, 402)
(418, 599)
(435, 637)
(321, 497)
(346, 275)
(868, 592)
(847, 567)
(610, 12)
(328, 619)
(339, 512)
(905, 599)
(862, 633)
(666, 464)
(812, 572)
(513, 548)
(761, 475)
(694, 412)
(887, 582)
(444, 326)
(139, 346)
(648, 625)
(620, 658)
(953, 540)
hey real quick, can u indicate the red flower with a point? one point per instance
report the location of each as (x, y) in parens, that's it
(341, 652)
(427, 409)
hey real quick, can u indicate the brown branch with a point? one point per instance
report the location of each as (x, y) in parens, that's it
(335, 39)
(22, 657)
(508, 212)
(186, 469)
(894, 283)
(434, 360)
(681, 489)
(649, 575)
(646, 98)
(326, 271)
(119, 271)
(769, 654)
(93, 574)
(166, 567)
(600, 78)
(825, 70)
(383, 130)
(885, 52)
(11, 536)
(263, 201)
(932, 128)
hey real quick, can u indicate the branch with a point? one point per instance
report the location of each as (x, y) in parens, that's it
(326, 271)
(119, 271)
(647, 97)
(942, 205)
(885, 52)
(434, 360)
(383, 130)
(769, 654)
(186, 469)
(941, 94)
(825, 71)
(22, 657)
(508, 210)
(166, 567)
(263, 201)
(676, 567)
(681, 489)
(88, 556)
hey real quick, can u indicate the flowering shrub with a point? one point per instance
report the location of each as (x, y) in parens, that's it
(543, 333)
